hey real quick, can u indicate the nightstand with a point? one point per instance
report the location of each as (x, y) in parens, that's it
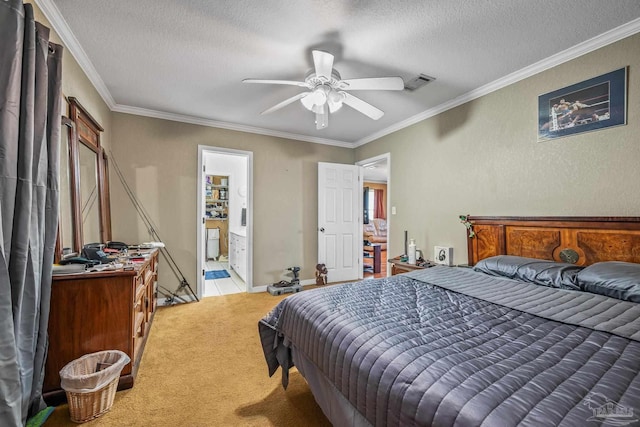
(399, 267)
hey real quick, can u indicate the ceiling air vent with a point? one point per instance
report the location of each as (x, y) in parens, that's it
(418, 82)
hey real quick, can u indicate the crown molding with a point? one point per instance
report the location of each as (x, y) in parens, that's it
(566, 55)
(51, 12)
(118, 108)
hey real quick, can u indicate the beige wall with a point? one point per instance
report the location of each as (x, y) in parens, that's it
(482, 158)
(75, 83)
(159, 160)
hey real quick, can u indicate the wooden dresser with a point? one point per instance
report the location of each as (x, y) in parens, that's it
(95, 311)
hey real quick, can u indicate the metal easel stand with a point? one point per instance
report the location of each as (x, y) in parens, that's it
(170, 296)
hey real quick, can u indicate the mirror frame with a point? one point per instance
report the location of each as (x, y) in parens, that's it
(89, 156)
(69, 132)
(84, 129)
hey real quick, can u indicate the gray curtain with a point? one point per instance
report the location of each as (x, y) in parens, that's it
(30, 115)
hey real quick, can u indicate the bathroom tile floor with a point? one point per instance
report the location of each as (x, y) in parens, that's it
(225, 286)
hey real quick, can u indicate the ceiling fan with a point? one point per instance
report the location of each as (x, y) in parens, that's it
(327, 91)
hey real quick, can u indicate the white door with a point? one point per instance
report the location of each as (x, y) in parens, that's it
(339, 220)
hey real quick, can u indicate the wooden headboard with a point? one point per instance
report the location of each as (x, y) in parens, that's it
(578, 240)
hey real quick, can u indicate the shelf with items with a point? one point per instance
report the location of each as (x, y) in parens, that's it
(217, 197)
(216, 214)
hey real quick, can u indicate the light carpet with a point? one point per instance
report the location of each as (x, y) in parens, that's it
(203, 366)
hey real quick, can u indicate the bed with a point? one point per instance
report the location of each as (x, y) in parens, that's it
(542, 329)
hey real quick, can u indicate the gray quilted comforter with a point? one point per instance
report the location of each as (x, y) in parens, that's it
(453, 347)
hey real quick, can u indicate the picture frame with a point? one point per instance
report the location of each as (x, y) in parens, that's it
(593, 104)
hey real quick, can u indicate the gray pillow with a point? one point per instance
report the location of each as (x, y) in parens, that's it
(615, 279)
(531, 270)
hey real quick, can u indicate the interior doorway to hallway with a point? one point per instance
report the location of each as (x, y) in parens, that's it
(225, 221)
(376, 215)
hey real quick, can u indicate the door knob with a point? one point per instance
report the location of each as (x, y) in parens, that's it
(322, 229)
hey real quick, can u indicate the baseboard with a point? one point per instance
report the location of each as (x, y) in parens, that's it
(256, 289)
(162, 300)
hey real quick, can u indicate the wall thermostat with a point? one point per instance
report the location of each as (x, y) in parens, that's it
(443, 255)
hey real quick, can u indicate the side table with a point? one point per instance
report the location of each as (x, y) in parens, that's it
(399, 267)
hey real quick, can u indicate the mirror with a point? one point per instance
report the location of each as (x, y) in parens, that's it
(89, 200)
(84, 183)
(66, 242)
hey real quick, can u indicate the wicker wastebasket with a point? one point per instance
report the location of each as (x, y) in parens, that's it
(90, 383)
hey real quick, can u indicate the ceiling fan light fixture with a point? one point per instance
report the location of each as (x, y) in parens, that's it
(307, 101)
(326, 90)
(334, 100)
(320, 95)
(317, 98)
(334, 106)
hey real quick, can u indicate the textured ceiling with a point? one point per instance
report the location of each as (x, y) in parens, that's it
(185, 60)
(376, 171)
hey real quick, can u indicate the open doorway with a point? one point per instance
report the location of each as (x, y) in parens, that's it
(225, 226)
(376, 220)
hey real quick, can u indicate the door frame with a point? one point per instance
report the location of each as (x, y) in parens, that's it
(200, 192)
(374, 159)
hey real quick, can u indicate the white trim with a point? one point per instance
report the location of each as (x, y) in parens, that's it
(256, 289)
(566, 55)
(61, 27)
(200, 213)
(52, 13)
(361, 222)
(119, 108)
(375, 159)
(200, 250)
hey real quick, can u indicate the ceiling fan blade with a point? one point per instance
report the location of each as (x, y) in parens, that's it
(322, 119)
(362, 106)
(276, 82)
(323, 63)
(285, 102)
(373, 83)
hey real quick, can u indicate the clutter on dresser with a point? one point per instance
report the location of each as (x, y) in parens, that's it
(112, 256)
